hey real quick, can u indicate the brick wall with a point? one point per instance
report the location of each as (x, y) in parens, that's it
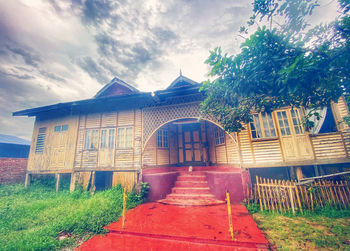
(12, 170)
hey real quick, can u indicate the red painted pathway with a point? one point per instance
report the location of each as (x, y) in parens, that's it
(154, 226)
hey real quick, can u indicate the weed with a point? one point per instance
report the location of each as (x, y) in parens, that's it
(32, 219)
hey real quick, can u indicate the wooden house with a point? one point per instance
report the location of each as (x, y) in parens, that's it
(122, 136)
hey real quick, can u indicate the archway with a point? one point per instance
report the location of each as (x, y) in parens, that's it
(189, 141)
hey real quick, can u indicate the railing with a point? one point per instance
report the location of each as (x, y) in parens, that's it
(282, 196)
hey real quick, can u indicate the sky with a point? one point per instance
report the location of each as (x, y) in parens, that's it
(55, 51)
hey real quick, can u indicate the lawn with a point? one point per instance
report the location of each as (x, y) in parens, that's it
(40, 219)
(325, 229)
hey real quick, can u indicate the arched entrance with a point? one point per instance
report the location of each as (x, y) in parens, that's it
(188, 141)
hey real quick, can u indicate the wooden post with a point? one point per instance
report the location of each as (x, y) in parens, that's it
(299, 173)
(28, 180)
(317, 173)
(92, 184)
(260, 199)
(72, 182)
(291, 198)
(298, 198)
(58, 179)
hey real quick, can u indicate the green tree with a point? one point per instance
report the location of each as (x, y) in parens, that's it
(273, 70)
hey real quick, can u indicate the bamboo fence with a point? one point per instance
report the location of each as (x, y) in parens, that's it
(282, 196)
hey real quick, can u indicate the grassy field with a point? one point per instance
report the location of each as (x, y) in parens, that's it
(325, 229)
(40, 219)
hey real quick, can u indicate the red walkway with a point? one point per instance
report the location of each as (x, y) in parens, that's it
(154, 226)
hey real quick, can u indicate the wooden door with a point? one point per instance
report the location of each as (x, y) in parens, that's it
(107, 147)
(192, 144)
(295, 143)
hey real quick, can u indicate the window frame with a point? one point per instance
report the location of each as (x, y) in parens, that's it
(89, 139)
(126, 133)
(107, 138)
(219, 136)
(162, 138)
(263, 119)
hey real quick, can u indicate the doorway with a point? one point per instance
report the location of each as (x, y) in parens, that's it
(295, 143)
(190, 144)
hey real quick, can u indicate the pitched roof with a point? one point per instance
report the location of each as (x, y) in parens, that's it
(181, 82)
(9, 139)
(116, 87)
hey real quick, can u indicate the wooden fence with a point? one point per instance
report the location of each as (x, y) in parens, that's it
(283, 196)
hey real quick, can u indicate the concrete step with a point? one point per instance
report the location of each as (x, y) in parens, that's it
(191, 184)
(190, 196)
(197, 202)
(192, 178)
(190, 190)
(192, 173)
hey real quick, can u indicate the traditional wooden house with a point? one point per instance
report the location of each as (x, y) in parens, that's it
(123, 136)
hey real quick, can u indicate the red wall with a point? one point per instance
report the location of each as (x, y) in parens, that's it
(12, 170)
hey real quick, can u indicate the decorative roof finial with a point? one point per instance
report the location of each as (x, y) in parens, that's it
(180, 72)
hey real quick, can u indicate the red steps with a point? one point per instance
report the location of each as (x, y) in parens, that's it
(191, 189)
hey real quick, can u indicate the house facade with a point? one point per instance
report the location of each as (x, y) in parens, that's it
(122, 136)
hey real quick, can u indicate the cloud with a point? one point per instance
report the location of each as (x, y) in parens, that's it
(62, 50)
(28, 57)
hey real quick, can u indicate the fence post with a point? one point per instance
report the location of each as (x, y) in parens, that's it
(257, 185)
(291, 199)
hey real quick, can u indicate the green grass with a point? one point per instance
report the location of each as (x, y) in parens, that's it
(324, 229)
(32, 219)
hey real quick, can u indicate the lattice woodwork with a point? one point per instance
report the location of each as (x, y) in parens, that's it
(156, 116)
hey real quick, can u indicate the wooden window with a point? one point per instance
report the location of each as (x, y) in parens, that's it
(107, 138)
(61, 128)
(124, 137)
(262, 126)
(219, 136)
(64, 128)
(111, 133)
(40, 141)
(283, 123)
(103, 138)
(91, 139)
(162, 138)
(297, 121)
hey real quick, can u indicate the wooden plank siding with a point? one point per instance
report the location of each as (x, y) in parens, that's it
(328, 145)
(124, 159)
(59, 147)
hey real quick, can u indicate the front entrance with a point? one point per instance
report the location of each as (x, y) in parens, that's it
(190, 144)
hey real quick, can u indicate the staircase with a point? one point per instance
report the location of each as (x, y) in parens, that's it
(191, 189)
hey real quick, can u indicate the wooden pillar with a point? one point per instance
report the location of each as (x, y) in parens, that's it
(287, 173)
(322, 171)
(58, 179)
(299, 173)
(317, 173)
(292, 173)
(28, 180)
(72, 182)
(92, 184)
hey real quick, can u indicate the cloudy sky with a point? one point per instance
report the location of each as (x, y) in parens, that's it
(63, 50)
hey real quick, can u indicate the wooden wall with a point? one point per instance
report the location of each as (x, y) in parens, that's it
(121, 158)
(154, 156)
(59, 147)
(326, 148)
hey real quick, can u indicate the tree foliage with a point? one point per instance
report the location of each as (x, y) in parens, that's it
(273, 70)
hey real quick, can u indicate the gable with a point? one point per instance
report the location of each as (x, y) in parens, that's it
(182, 82)
(116, 87)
